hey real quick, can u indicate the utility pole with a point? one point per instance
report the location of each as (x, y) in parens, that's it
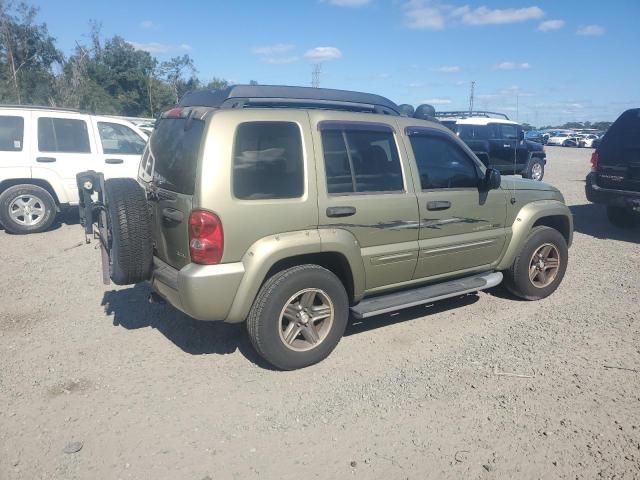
(315, 75)
(472, 95)
(517, 106)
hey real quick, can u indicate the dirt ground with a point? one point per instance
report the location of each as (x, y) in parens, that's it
(150, 393)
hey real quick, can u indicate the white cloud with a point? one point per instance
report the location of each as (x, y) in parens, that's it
(448, 69)
(487, 16)
(323, 54)
(549, 25)
(149, 25)
(437, 101)
(591, 30)
(349, 3)
(160, 48)
(512, 66)
(277, 49)
(428, 15)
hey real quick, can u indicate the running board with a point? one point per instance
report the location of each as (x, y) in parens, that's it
(421, 295)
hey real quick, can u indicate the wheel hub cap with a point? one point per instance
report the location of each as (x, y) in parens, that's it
(27, 210)
(306, 319)
(544, 265)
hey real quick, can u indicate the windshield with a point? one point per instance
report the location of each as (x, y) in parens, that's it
(175, 144)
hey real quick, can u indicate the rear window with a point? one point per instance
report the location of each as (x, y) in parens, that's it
(11, 133)
(175, 144)
(624, 133)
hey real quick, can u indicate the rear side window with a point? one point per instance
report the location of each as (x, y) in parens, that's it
(63, 135)
(474, 132)
(11, 133)
(175, 144)
(267, 161)
(358, 160)
(119, 139)
(442, 164)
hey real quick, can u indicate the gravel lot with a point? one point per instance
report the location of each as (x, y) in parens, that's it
(150, 393)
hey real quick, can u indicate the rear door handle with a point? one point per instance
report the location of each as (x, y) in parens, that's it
(172, 215)
(45, 159)
(341, 211)
(114, 160)
(506, 146)
(438, 205)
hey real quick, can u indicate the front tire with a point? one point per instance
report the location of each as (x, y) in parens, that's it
(540, 266)
(535, 169)
(26, 209)
(298, 317)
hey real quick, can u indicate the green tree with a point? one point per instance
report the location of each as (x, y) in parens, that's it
(179, 73)
(27, 56)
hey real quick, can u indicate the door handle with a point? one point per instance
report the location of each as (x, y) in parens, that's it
(506, 146)
(341, 211)
(45, 159)
(114, 160)
(172, 215)
(438, 205)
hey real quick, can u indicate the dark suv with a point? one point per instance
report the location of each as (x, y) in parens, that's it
(500, 144)
(615, 171)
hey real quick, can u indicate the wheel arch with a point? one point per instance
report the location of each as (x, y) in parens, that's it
(6, 184)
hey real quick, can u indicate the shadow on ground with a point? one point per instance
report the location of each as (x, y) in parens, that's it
(591, 219)
(131, 310)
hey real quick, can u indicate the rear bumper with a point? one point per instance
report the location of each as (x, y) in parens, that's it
(609, 196)
(204, 292)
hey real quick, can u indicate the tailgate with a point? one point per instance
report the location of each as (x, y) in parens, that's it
(170, 166)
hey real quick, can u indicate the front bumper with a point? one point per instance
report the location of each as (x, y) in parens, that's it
(204, 292)
(609, 196)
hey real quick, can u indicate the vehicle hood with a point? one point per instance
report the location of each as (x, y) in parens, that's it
(531, 189)
(534, 146)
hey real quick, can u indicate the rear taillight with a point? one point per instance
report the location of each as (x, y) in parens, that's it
(594, 161)
(206, 238)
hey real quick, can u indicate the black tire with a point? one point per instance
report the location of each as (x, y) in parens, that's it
(129, 225)
(42, 202)
(516, 279)
(565, 144)
(533, 161)
(623, 217)
(264, 323)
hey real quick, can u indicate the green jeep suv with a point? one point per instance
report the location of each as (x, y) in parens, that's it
(292, 208)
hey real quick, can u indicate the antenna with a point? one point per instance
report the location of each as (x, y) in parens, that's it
(315, 75)
(472, 95)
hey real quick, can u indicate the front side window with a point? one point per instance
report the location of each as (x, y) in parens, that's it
(509, 132)
(442, 164)
(268, 161)
(118, 139)
(63, 135)
(361, 160)
(11, 133)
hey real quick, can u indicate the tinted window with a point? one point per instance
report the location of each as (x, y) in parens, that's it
(474, 132)
(623, 134)
(267, 161)
(119, 139)
(175, 144)
(63, 135)
(442, 164)
(11, 133)
(361, 161)
(509, 132)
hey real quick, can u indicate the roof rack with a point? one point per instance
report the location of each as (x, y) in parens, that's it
(273, 96)
(474, 113)
(43, 107)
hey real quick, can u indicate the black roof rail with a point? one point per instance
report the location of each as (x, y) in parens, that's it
(274, 96)
(42, 107)
(474, 113)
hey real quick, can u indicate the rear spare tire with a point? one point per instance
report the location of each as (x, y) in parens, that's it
(129, 231)
(26, 209)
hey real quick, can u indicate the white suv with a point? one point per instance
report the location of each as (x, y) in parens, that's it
(42, 150)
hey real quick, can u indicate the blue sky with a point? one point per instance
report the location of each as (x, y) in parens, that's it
(540, 61)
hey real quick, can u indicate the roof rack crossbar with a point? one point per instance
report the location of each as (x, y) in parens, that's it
(473, 113)
(272, 96)
(42, 107)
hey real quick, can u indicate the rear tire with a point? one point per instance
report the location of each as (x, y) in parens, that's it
(532, 277)
(279, 319)
(26, 209)
(623, 217)
(129, 227)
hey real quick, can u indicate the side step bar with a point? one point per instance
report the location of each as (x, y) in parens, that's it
(421, 295)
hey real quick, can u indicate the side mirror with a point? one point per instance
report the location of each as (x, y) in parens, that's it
(521, 135)
(492, 179)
